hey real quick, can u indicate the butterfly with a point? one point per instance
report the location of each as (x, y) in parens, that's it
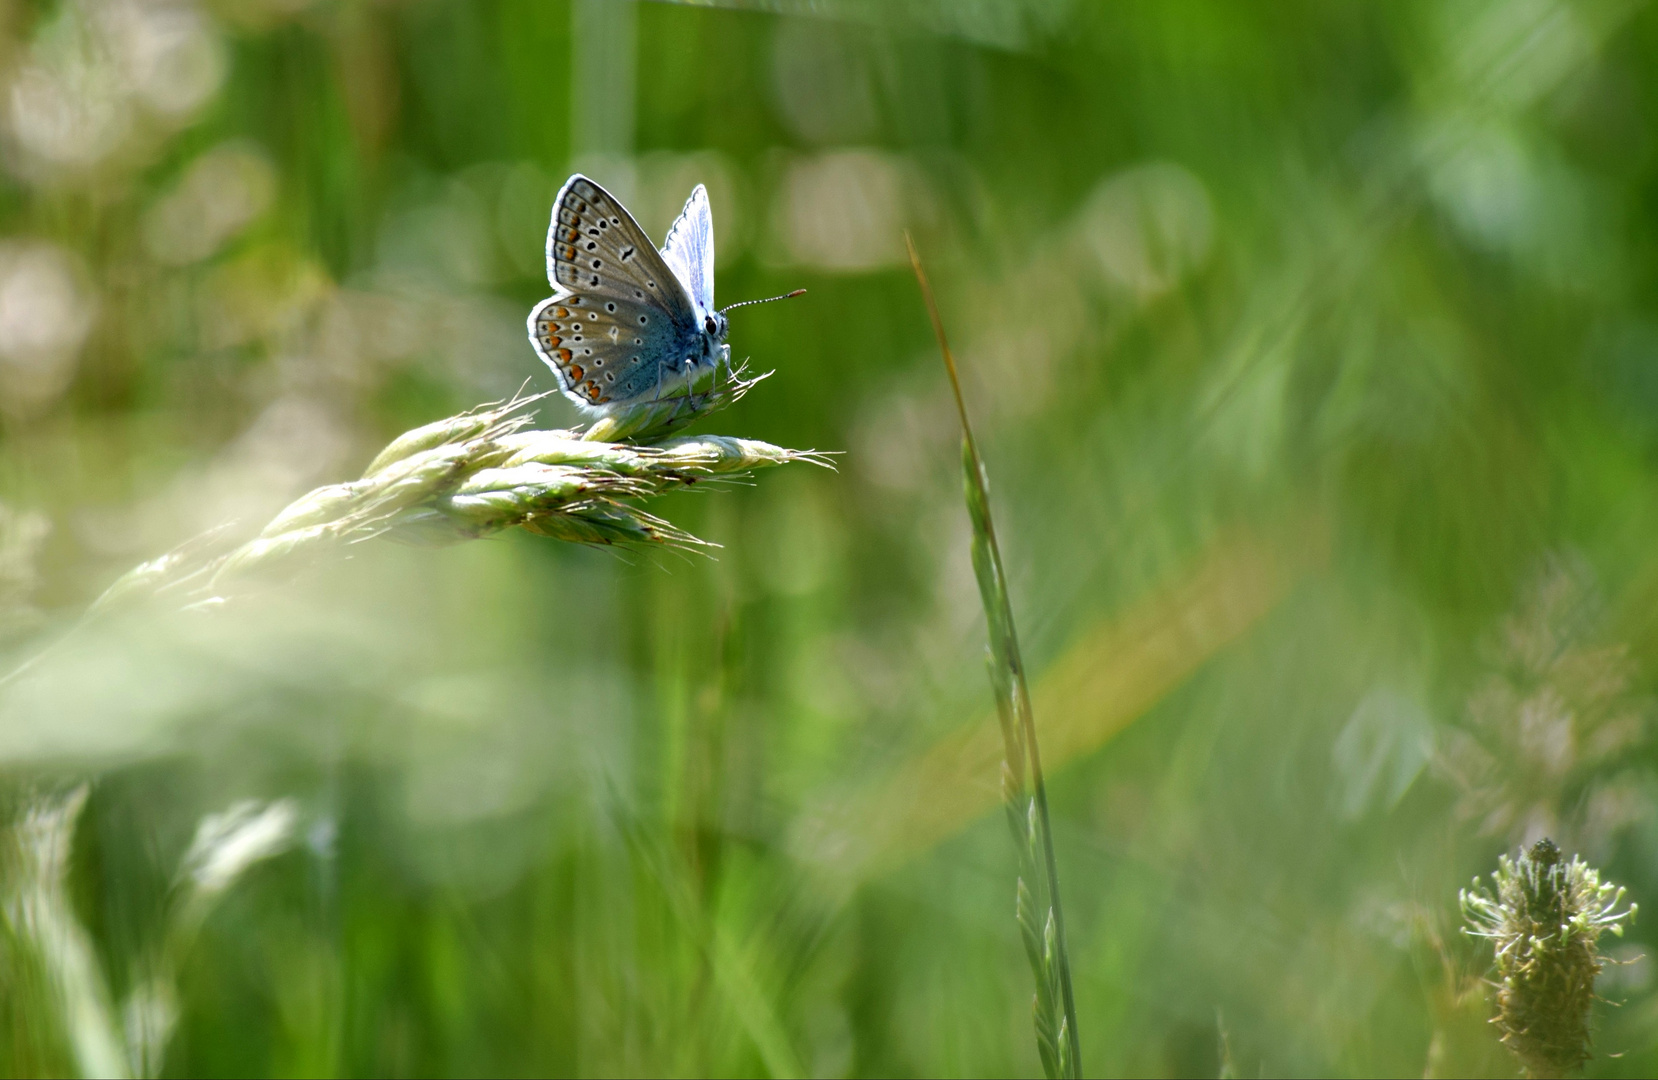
(627, 323)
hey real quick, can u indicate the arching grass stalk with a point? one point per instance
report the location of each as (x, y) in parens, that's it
(1041, 918)
(471, 475)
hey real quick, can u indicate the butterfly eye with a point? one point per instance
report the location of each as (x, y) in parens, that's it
(709, 325)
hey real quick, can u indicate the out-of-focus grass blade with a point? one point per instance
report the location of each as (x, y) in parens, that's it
(1002, 24)
(733, 973)
(40, 917)
(1113, 673)
(1027, 806)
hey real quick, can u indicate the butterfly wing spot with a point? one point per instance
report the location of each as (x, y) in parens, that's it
(598, 264)
(563, 354)
(610, 306)
(638, 341)
(576, 373)
(628, 253)
(615, 221)
(610, 376)
(591, 246)
(643, 320)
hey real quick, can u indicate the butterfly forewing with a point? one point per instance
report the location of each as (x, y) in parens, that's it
(594, 246)
(689, 250)
(606, 349)
(622, 324)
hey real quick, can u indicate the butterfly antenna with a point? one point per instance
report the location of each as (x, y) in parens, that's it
(767, 300)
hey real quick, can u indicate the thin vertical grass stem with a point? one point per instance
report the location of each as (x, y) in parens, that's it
(1020, 736)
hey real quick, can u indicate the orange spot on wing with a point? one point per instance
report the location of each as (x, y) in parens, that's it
(576, 373)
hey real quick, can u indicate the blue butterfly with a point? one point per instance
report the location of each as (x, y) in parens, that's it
(627, 323)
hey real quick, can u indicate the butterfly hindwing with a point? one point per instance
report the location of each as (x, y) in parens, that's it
(689, 250)
(595, 246)
(608, 350)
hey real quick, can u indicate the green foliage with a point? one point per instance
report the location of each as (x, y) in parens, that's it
(1311, 348)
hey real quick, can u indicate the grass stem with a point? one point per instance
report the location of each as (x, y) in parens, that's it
(1044, 932)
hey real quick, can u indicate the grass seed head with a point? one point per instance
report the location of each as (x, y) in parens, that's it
(495, 419)
(470, 475)
(493, 499)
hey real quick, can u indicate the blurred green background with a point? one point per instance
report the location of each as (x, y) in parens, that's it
(1314, 354)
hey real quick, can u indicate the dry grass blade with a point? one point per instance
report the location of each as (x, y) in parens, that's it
(1040, 915)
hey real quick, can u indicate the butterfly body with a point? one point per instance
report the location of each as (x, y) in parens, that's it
(626, 323)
